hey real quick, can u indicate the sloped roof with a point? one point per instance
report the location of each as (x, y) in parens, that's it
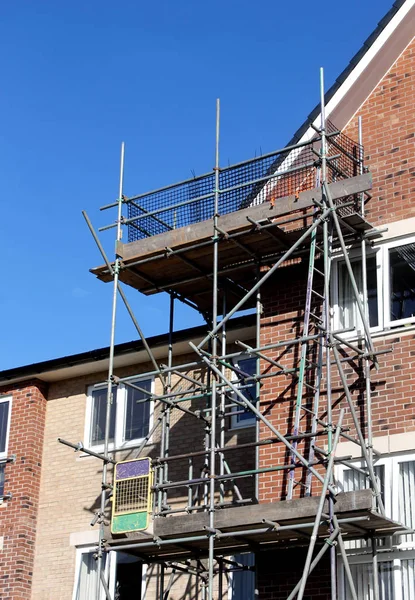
(367, 67)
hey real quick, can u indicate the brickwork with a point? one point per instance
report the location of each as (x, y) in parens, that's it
(388, 122)
(71, 484)
(19, 515)
(389, 130)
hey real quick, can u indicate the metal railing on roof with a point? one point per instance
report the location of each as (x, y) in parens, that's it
(267, 178)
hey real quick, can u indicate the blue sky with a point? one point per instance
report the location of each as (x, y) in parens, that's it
(79, 77)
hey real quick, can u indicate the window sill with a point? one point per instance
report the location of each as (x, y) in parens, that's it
(130, 445)
(244, 426)
(376, 332)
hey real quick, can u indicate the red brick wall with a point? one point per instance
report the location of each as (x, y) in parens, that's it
(388, 136)
(388, 122)
(22, 480)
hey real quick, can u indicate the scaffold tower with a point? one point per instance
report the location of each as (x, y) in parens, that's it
(216, 243)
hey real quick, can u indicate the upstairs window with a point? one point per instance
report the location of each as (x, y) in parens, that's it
(401, 283)
(349, 316)
(137, 412)
(2, 465)
(246, 367)
(5, 411)
(390, 275)
(99, 416)
(130, 414)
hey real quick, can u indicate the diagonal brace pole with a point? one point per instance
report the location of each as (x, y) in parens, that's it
(124, 299)
(320, 508)
(245, 402)
(268, 274)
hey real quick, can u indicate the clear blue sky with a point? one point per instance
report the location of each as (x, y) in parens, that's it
(79, 77)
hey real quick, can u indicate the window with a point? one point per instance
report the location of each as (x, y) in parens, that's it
(87, 576)
(124, 574)
(245, 367)
(130, 416)
(349, 316)
(99, 415)
(390, 270)
(5, 410)
(2, 465)
(396, 475)
(242, 578)
(400, 288)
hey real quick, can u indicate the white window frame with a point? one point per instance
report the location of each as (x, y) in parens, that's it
(120, 400)
(235, 423)
(389, 324)
(395, 557)
(8, 399)
(109, 569)
(397, 551)
(110, 572)
(381, 252)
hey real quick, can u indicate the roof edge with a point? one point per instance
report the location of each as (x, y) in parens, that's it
(91, 356)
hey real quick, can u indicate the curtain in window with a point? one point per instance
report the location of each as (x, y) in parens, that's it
(408, 579)
(363, 581)
(347, 301)
(402, 282)
(4, 417)
(352, 481)
(99, 413)
(137, 414)
(349, 315)
(87, 582)
(2, 479)
(407, 498)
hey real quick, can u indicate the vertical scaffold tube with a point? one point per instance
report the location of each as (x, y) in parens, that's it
(104, 489)
(214, 360)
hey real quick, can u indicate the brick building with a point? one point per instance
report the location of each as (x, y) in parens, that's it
(307, 472)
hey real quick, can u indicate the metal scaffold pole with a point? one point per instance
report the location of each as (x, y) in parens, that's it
(110, 399)
(212, 437)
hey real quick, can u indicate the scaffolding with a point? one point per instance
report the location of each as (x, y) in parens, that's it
(304, 204)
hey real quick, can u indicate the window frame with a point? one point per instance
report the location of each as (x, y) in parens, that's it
(355, 256)
(110, 571)
(80, 551)
(388, 323)
(381, 252)
(7, 398)
(235, 423)
(120, 399)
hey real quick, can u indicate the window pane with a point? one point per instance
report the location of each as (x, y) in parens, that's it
(87, 582)
(407, 498)
(247, 367)
(2, 479)
(363, 581)
(348, 309)
(99, 412)
(4, 418)
(137, 414)
(402, 282)
(408, 579)
(353, 481)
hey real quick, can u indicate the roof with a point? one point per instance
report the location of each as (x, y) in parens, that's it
(126, 354)
(367, 44)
